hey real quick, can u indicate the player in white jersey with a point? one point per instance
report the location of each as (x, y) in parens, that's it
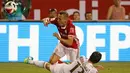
(81, 65)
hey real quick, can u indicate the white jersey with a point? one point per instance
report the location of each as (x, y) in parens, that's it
(74, 67)
(90, 68)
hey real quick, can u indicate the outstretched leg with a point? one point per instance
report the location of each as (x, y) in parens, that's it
(41, 64)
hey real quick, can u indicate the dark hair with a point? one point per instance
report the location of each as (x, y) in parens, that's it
(95, 57)
(76, 12)
(64, 13)
(87, 13)
(53, 9)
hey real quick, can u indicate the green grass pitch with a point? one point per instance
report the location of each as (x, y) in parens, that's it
(110, 67)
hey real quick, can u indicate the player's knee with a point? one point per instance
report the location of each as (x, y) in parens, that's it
(48, 66)
(54, 59)
(72, 59)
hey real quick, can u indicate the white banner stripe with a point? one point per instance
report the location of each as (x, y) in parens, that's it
(125, 2)
(94, 3)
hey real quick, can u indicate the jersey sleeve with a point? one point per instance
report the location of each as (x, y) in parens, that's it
(53, 21)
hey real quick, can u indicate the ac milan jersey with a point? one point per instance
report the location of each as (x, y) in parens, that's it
(78, 67)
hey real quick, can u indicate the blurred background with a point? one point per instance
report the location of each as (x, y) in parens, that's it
(84, 13)
(98, 8)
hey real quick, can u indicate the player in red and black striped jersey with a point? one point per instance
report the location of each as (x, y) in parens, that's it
(69, 43)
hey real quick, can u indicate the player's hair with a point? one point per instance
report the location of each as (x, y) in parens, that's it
(64, 13)
(76, 12)
(95, 57)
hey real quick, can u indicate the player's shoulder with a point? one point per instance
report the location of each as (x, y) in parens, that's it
(94, 70)
(91, 68)
(70, 22)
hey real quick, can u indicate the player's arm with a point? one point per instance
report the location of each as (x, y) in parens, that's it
(99, 67)
(109, 15)
(68, 41)
(47, 21)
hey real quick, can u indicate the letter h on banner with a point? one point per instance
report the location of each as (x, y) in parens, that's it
(15, 42)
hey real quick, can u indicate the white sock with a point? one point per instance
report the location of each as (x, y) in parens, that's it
(31, 62)
(41, 64)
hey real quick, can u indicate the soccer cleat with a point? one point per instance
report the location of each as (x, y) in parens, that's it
(26, 60)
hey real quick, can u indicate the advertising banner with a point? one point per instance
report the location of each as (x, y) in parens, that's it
(19, 40)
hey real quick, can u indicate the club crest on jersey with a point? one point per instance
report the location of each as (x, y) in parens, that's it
(71, 30)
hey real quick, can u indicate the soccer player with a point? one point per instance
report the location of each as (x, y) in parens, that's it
(116, 11)
(69, 43)
(81, 65)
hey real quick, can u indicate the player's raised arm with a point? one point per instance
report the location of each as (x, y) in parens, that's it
(51, 18)
(68, 41)
(47, 21)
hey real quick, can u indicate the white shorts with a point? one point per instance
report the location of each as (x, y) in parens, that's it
(58, 68)
(71, 53)
(66, 68)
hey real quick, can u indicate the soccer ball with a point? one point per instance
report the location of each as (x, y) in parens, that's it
(10, 7)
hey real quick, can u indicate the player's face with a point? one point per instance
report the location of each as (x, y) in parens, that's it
(62, 20)
(117, 2)
(53, 14)
(76, 16)
(88, 16)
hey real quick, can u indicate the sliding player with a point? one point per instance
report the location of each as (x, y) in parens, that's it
(69, 44)
(81, 65)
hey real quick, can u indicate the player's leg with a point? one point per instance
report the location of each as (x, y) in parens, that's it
(73, 54)
(58, 53)
(54, 58)
(58, 68)
(41, 64)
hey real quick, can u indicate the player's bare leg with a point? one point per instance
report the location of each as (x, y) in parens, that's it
(54, 58)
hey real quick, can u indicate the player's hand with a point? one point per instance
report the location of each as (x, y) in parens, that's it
(46, 21)
(56, 35)
(100, 67)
